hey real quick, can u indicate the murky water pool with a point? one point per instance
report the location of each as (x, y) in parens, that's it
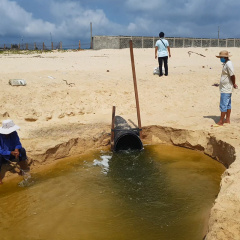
(163, 192)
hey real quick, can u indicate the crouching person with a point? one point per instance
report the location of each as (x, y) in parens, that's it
(11, 149)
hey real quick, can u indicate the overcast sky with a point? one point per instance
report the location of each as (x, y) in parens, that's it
(69, 20)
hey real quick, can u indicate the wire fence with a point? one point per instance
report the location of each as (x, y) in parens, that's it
(44, 46)
(120, 42)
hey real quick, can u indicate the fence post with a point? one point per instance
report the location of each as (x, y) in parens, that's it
(52, 45)
(43, 46)
(79, 45)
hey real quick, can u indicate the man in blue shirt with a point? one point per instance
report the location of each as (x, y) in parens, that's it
(11, 148)
(162, 50)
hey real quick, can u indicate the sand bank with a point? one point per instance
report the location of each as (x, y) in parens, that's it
(65, 109)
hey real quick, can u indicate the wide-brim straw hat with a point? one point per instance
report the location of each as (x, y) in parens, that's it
(8, 127)
(223, 53)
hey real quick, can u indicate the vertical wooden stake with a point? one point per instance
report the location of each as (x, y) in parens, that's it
(135, 88)
(112, 127)
(91, 35)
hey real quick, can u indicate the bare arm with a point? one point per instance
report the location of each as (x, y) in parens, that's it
(156, 49)
(169, 53)
(234, 81)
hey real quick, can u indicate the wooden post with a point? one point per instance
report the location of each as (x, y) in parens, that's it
(112, 128)
(52, 45)
(79, 45)
(43, 46)
(135, 88)
(91, 36)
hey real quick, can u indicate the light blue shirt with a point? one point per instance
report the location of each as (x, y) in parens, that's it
(162, 50)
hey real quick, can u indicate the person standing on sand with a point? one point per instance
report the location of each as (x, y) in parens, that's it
(11, 149)
(227, 83)
(162, 50)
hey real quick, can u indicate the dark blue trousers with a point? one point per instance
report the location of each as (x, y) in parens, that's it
(165, 61)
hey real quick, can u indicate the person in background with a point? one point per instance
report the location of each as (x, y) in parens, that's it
(162, 51)
(11, 149)
(227, 83)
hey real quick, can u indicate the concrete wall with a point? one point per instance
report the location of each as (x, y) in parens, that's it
(120, 42)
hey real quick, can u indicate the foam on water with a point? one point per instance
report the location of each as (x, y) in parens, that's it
(103, 163)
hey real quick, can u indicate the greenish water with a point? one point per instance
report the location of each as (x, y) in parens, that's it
(162, 192)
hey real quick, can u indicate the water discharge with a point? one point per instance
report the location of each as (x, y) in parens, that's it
(162, 192)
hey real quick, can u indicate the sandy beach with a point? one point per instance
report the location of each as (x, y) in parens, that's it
(65, 109)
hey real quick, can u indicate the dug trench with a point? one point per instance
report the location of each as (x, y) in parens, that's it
(49, 145)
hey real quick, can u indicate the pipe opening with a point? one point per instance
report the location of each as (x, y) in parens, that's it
(126, 137)
(128, 141)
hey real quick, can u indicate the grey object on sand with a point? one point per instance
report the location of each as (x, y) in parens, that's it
(156, 71)
(17, 82)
